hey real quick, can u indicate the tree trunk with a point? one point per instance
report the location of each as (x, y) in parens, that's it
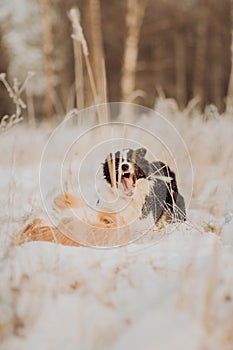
(229, 100)
(216, 78)
(5, 106)
(201, 53)
(48, 48)
(180, 69)
(134, 19)
(97, 49)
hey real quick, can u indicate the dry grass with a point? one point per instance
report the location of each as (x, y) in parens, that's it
(15, 91)
(176, 258)
(97, 50)
(193, 257)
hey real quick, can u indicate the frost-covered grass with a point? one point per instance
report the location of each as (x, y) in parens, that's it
(173, 293)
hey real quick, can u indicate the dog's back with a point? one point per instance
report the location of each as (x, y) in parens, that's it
(164, 200)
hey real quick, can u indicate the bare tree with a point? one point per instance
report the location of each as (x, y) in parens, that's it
(201, 51)
(134, 19)
(181, 46)
(4, 100)
(97, 49)
(229, 103)
(48, 48)
(180, 69)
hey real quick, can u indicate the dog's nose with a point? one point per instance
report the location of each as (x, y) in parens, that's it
(125, 167)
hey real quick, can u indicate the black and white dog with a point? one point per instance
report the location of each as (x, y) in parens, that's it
(123, 170)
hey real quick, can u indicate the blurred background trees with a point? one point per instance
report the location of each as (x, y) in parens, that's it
(183, 49)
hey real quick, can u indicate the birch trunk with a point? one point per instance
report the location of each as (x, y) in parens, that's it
(229, 100)
(134, 20)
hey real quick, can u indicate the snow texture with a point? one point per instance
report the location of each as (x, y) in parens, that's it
(172, 292)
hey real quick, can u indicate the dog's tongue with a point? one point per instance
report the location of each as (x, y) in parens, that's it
(127, 184)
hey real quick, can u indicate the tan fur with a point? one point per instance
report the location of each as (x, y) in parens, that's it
(87, 227)
(36, 231)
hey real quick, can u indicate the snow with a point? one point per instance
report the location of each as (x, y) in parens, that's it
(227, 233)
(114, 299)
(172, 291)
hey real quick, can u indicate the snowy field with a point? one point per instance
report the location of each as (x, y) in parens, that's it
(170, 292)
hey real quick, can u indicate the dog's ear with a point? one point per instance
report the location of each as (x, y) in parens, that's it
(141, 152)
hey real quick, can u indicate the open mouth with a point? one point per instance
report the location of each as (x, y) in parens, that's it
(128, 181)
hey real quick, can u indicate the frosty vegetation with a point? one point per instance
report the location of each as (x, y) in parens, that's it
(172, 287)
(130, 297)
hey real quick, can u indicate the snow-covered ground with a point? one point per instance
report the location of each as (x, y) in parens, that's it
(171, 292)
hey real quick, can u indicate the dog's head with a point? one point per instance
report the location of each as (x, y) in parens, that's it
(122, 169)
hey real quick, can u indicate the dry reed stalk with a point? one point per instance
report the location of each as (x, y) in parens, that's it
(78, 62)
(105, 94)
(14, 92)
(79, 37)
(134, 20)
(112, 170)
(97, 48)
(48, 48)
(105, 87)
(30, 106)
(6, 120)
(91, 79)
(79, 76)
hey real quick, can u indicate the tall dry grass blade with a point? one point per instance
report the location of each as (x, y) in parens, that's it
(97, 48)
(134, 20)
(30, 105)
(78, 62)
(79, 76)
(112, 169)
(14, 92)
(105, 94)
(91, 79)
(48, 48)
(79, 37)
